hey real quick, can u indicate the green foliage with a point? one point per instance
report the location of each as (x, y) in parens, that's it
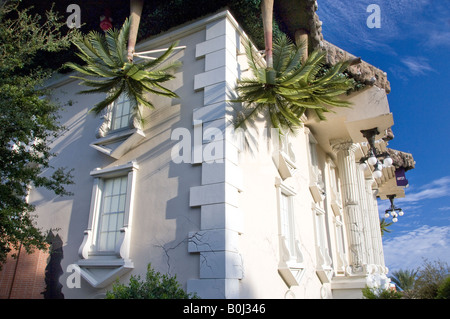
(443, 291)
(28, 121)
(155, 286)
(384, 226)
(159, 16)
(283, 93)
(430, 276)
(108, 70)
(379, 293)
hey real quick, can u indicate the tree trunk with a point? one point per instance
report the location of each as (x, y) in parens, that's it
(267, 16)
(135, 17)
(301, 39)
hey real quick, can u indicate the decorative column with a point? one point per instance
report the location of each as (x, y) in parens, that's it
(365, 216)
(377, 244)
(345, 151)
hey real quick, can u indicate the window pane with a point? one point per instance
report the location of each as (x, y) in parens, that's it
(114, 204)
(122, 200)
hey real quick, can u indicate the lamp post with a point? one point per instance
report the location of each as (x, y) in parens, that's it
(393, 210)
(373, 156)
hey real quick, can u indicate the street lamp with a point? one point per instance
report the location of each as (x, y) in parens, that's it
(373, 156)
(393, 210)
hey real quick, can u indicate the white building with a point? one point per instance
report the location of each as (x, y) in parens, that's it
(182, 193)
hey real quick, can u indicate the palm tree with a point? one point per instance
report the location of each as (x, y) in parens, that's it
(384, 226)
(405, 279)
(108, 69)
(287, 88)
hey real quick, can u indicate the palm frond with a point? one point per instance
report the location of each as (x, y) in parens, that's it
(251, 58)
(100, 44)
(152, 63)
(117, 42)
(99, 107)
(282, 51)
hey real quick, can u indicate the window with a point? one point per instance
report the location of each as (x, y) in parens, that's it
(291, 266)
(317, 186)
(340, 246)
(323, 265)
(119, 131)
(111, 213)
(313, 156)
(336, 201)
(320, 229)
(105, 250)
(287, 222)
(121, 113)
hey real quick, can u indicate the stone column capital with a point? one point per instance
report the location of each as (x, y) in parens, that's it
(343, 145)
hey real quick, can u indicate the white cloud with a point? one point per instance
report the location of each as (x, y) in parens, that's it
(408, 250)
(438, 38)
(417, 65)
(436, 189)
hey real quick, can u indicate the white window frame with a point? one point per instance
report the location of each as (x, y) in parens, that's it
(291, 265)
(341, 253)
(108, 264)
(324, 262)
(316, 187)
(287, 226)
(313, 158)
(336, 198)
(102, 244)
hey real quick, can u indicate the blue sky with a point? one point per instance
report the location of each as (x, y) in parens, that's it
(413, 46)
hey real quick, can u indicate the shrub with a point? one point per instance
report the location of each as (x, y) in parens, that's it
(380, 293)
(155, 286)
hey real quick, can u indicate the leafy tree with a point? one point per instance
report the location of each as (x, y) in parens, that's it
(155, 286)
(429, 281)
(28, 121)
(108, 70)
(285, 91)
(430, 277)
